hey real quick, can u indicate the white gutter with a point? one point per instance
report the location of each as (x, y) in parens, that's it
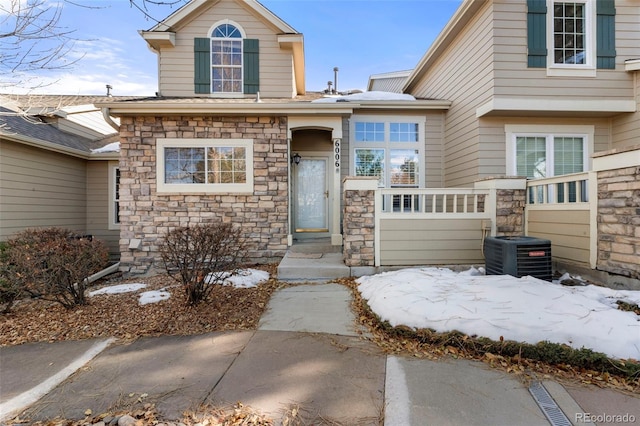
(108, 119)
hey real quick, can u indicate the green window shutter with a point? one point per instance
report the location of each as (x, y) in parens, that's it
(202, 65)
(536, 33)
(605, 34)
(251, 63)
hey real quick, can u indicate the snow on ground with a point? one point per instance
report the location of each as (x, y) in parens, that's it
(120, 288)
(246, 278)
(153, 296)
(521, 309)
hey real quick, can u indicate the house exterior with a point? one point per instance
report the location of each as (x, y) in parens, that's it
(510, 88)
(54, 168)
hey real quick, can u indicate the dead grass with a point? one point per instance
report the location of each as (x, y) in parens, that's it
(120, 315)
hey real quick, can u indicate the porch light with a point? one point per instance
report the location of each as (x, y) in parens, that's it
(295, 159)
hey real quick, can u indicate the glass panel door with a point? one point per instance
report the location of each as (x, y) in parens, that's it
(311, 196)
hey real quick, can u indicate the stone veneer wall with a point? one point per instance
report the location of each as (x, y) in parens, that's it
(358, 227)
(147, 216)
(510, 212)
(619, 221)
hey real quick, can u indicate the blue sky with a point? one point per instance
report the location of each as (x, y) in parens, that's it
(361, 37)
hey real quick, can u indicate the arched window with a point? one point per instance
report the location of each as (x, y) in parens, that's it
(226, 62)
(226, 59)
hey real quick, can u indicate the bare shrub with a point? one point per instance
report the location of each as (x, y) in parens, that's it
(200, 257)
(10, 290)
(54, 263)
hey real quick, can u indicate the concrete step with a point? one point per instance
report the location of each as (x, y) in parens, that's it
(312, 266)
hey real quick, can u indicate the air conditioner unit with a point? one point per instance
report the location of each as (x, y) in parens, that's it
(518, 256)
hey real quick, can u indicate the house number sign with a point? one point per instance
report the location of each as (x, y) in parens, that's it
(336, 154)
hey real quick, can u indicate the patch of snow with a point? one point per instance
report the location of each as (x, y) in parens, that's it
(367, 96)
(521, 309)
(116, 289)
(112, 147)
(246, 278)
(153, 296)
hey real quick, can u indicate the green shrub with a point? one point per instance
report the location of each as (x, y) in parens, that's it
(203, 256)
(54, 263)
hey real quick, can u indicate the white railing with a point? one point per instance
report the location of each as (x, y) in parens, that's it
(565, 189)
(428, 202)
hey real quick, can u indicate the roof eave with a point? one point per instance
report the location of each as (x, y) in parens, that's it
(459, 20)
(257, 108)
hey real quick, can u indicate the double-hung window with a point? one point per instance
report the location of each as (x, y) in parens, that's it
(571, 38)
(204, 165)
(226, 59)
(389, 149)
(537, 151)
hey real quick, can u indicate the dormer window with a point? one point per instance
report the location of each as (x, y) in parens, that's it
(226, 63)
(226, 59)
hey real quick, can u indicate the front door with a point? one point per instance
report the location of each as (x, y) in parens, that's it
(311, 197)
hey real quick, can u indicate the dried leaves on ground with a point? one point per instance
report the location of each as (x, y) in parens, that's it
(431, 345)
(121, 315)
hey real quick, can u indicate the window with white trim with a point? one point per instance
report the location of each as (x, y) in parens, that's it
(539, 151)
(205, 165)
(114, 196)
(226, 59)
(571, 37)
(391, 149)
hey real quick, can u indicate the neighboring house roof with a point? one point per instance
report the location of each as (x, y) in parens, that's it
(389, 81)
(36, 129)
(64, 123)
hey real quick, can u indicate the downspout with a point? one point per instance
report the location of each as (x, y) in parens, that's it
(109, 120)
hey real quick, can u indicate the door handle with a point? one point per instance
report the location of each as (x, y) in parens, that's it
(326, 193)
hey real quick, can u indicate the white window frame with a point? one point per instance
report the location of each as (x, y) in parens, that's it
(549, 133)
(588, 69)
(388, 146)
(203, 188)
(114, 202)
(211, 39)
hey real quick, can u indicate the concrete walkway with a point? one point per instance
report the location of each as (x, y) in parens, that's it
(306, 357)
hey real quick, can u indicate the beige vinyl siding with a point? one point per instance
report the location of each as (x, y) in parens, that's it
(568, 231)
(430, 242)
(514, 80)
(493, 138)
(40, 188)
(98, 199)
(462, 74)
(626, 127)
(176, 64)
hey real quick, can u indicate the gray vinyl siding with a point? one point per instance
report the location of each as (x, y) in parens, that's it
(176, 64)
(98, 199)
(568, 231)
(388, 84)
(463, 74)
(40, 188)
(430, 242)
